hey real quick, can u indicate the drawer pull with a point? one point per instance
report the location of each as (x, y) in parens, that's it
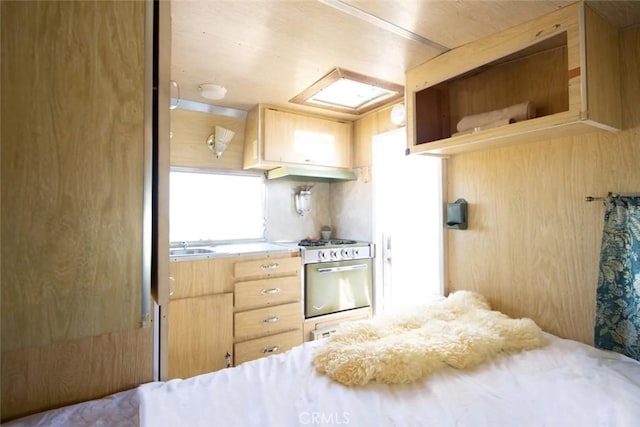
(271, 349)
(269, 266)
(273, 319)
(270, 291)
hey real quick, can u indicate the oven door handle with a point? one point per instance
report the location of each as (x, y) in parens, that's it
(342, 268)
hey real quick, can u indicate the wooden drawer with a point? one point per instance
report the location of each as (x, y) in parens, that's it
(335, 319)
(267, 291)
(267, 320)
(261, 347)
(267, 267)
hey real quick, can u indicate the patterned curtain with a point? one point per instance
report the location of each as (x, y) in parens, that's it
(617, 324)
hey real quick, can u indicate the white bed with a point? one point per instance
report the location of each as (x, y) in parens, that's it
(565, 383)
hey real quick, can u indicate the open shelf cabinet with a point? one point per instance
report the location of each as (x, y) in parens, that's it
(565, 63)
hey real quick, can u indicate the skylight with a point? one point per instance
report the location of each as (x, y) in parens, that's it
(349, 92)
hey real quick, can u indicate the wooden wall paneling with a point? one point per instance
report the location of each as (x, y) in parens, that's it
(454, 24)
(254, 127)
(433, 114)
(72, 169)
(301, 31)
(190, 130)
(374, 123)
(542, 80)
(533, 243)
(72, 185)
(39, 378)
(362, 136)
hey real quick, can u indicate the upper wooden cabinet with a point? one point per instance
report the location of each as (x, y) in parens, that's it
(566, 64)
(276, 137)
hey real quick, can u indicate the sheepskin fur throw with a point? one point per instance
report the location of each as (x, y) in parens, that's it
(460, 331)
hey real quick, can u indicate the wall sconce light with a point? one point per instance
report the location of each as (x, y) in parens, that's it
(212, 91)
(303, 199)
(219, 139)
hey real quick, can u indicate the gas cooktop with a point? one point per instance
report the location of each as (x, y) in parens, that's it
(335, 242)
(315, 251)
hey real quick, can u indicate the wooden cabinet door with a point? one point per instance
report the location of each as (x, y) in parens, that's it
(200, 334)
(301, 139)
(201, 277)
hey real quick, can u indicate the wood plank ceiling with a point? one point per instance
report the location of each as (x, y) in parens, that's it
(269, 51)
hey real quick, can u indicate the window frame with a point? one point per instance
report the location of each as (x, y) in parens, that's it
(196, 170)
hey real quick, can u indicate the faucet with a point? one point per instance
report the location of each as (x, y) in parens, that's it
(184, 245)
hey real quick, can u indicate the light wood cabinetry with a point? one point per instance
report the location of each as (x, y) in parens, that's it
(200, 334)
(200, 316)
(332, 321)
(275, 137)
(267, 267)
(267, 320)
(267, 291)
(565, 63)
(268, 311)
(261, 347)
(201, 277)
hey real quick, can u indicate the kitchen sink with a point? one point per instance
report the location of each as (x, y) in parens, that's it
(190, 251)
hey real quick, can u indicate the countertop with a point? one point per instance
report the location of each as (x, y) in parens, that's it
(226, 250)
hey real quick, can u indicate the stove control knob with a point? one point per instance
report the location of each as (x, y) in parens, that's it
(322, 255)
(345, 253)
(356, 252)
(333, 254)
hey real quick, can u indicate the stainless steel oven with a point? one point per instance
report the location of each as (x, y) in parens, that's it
(337, 276)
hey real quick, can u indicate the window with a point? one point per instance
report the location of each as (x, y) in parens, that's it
(206, 205)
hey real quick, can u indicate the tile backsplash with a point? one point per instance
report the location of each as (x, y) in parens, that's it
(351, 209)
(344, 206)
(283, 222)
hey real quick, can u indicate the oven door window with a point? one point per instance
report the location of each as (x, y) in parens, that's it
(337, 286)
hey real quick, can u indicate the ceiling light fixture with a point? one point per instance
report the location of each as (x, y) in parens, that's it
(349, 92)
(212, 91)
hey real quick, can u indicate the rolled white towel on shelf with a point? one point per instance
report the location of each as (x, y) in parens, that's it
(515, 113)
(495, 124)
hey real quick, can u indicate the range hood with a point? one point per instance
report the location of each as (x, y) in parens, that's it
(307, 173)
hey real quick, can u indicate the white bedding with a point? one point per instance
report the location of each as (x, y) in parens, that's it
(563, 384)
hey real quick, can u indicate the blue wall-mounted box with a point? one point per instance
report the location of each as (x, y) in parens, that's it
(457, 215)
